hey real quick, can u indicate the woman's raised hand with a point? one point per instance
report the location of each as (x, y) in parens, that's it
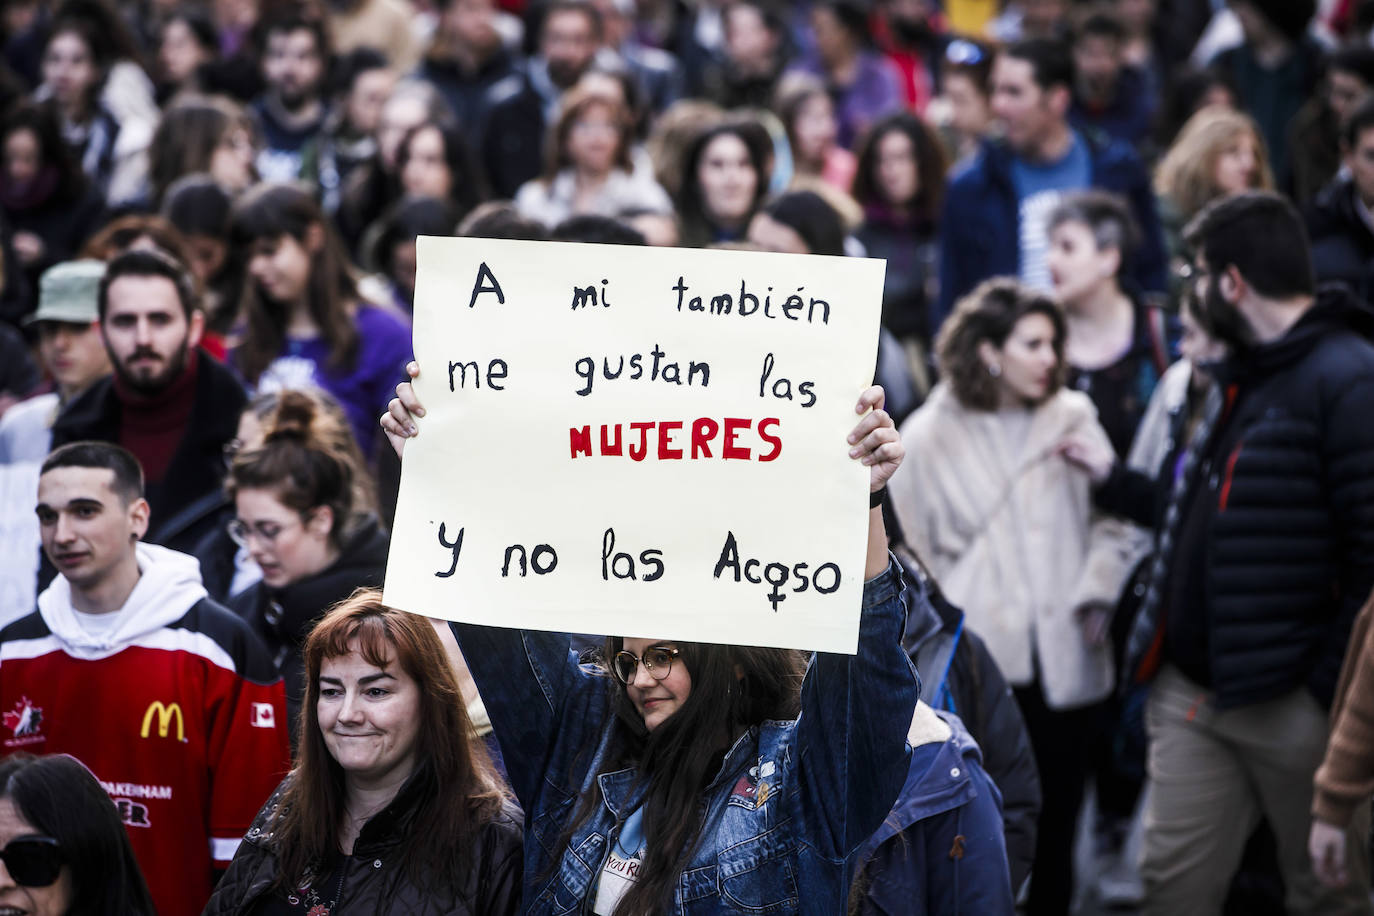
(399, 420)
(874, 441)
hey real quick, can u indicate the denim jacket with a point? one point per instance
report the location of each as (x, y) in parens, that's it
(781, 820)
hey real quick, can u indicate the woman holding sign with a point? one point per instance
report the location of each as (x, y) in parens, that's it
(696, 778)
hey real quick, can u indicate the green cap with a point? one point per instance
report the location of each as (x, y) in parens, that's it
(69, 292)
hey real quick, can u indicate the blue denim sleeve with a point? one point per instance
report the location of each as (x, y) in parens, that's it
(851, 735)
(534, 690)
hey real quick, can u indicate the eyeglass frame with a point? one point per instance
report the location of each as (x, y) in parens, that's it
(240, 532)
(648, 666)
(59, 858)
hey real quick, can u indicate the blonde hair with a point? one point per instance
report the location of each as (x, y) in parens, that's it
(1186, 175)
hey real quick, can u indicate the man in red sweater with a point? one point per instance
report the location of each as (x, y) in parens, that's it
(171, 404)
(169, 698)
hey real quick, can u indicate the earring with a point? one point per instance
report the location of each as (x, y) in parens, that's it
(994, 370)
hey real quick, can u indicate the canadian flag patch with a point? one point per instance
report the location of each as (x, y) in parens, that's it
(264, 716)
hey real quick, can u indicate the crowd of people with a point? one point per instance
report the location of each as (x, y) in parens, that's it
(1120, 546)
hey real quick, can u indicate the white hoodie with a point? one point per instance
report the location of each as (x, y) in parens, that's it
(168, 586)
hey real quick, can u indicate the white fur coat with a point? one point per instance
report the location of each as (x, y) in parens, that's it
(1007, 527)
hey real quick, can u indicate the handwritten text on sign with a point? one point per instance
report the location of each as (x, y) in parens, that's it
(641, 441)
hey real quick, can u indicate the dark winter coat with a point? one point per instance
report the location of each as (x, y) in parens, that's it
(1342, 243)
(468, 94)
(189, 501)
(377, 881)
(940, 852)
(513, 142)
(284, 616)
(1289, 472)
(980, 223)
(958, 675)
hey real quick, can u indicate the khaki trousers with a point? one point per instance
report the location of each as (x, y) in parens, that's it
(1213, 774)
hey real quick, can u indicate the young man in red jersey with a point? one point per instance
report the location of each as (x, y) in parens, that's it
(126, 665)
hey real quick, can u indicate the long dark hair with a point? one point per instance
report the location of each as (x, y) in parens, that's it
(273, 211)
(468, 184)
(42, 121)
(462, 788)
(61, 799)
(930, 167)
(698, 228)
(733, 688)
(187, 136)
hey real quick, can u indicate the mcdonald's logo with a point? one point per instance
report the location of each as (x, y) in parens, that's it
(165, 714)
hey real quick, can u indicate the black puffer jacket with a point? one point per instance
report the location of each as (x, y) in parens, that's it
(284, 616)
(1290, 539)
(376, 881)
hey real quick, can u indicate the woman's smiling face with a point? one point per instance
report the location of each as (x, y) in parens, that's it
(654, 699)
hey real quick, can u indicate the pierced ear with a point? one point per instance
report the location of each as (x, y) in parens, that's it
(988, 355)
(139, 513)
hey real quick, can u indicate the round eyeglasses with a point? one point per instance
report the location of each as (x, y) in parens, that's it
(657, 660)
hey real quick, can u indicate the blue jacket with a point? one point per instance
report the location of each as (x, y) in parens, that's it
(980, 223)
(941, 851)
(792, 800)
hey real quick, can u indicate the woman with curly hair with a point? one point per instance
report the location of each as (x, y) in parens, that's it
(1006, 525)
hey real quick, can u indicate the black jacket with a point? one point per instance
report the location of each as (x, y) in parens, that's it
(513, 142)
(377, 881)
(189, 501)
(958, 674)
(469, 94)
(284, 616)
(1342, 243)
(1290, 495)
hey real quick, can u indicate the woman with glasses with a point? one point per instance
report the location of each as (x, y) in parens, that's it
(679, 777)
(393, 807)
(298, 516)
(589, 169)
(63, 849)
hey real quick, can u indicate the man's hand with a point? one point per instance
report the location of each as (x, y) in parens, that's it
(399, 420)
(1326, 846)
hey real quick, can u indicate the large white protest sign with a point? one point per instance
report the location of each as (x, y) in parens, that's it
(638, 441)
(19, 535)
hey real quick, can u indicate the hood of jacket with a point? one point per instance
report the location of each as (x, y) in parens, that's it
(361, 562)
(168, 586)
(943, 785)
(1335, 310)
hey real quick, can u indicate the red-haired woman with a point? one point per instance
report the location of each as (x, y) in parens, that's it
(392, 806)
